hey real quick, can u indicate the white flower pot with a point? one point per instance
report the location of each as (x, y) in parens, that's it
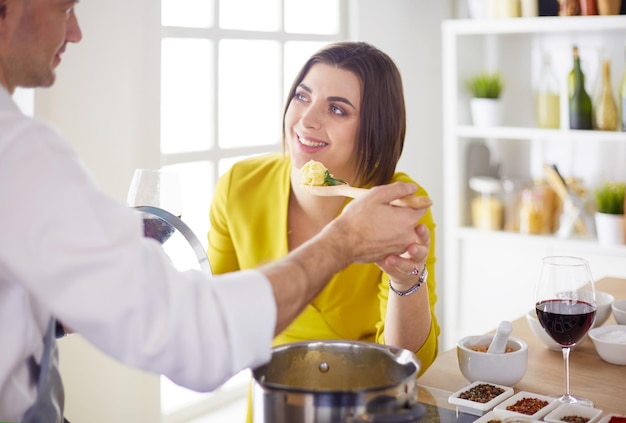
(477, 9)
(610, 229)
(486, 111)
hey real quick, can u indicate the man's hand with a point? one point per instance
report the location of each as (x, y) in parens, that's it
(370, 229)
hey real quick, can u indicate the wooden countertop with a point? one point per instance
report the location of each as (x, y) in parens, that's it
(590, 376)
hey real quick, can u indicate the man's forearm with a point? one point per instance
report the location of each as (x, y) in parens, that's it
(299, 277)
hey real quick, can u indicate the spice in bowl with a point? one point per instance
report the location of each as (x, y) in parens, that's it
(479, 397)
(482, 393)
(574, 419)
(484, 348)
(527, 405)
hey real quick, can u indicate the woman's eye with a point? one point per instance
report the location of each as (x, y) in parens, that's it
(300, 97)
(337, 110)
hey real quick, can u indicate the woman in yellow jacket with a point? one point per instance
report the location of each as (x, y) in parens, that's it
(346, 110)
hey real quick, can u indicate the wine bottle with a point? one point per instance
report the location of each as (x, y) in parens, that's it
(605, 110)
(547, 97)
(580, 113)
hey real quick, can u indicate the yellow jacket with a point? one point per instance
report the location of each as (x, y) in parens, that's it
(249, 228)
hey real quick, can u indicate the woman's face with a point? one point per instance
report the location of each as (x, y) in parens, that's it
(322, 120)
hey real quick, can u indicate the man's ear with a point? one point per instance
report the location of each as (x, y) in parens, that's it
(3, 8)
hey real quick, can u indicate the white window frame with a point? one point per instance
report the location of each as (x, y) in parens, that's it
(216, 153)
(236, 388)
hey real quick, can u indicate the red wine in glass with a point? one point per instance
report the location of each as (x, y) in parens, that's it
(566, 307)
(566, 321)
(156, 228)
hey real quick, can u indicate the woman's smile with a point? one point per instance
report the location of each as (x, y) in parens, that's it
(310, 142)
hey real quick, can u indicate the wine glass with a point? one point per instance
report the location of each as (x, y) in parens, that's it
(566, 307)
(157, 188)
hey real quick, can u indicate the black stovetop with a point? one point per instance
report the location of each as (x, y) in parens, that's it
(436, 414)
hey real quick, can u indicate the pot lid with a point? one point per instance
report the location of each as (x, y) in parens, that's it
(177, 239)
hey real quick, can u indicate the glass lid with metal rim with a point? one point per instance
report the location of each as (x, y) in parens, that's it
(178, 240)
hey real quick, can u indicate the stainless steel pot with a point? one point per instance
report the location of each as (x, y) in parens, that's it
(337, 381)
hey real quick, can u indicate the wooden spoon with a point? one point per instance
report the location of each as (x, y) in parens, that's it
(345, 190)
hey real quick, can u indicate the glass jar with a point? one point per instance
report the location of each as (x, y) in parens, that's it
(538, 209)
(511, 200)
(487, 210)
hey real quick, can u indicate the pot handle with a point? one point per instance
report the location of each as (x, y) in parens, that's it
(406, 414)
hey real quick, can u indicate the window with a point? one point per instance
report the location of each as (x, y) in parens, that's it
(226, 66)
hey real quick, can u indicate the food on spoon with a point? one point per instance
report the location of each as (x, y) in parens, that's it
(317, 180)
(316, 174)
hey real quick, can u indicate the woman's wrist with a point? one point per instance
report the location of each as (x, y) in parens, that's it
(403, 290)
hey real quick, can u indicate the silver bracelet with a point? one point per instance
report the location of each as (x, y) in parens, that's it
(415, 287)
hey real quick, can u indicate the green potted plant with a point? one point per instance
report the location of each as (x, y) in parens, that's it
(486, 85)
(485, 106)
(609, 215)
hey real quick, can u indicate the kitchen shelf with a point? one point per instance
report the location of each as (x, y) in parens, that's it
(484, 270)
(469, 233)
(537, 25)
(520, 133)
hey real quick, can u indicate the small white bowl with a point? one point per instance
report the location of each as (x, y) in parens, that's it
(501, 408)
(537, 329)
(555, 416)
(491, 416)
(619, 311)
(610, 351)
(501, 369)
(476, 408)
(604, 301)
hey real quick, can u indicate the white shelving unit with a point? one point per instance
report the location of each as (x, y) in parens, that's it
(489, 275)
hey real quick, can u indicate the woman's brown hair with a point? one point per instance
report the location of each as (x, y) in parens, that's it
(382, 117)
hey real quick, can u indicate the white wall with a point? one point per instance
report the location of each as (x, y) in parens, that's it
(409, 31)
(103, 99)
(103, 103)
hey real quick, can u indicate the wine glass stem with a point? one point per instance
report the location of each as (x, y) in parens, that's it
(566, 360)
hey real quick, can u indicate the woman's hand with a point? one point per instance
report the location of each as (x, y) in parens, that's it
(404, 270)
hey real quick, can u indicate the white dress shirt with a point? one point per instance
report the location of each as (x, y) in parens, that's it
(68, 250)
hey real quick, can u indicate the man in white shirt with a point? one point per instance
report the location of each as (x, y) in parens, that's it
(68, 251)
